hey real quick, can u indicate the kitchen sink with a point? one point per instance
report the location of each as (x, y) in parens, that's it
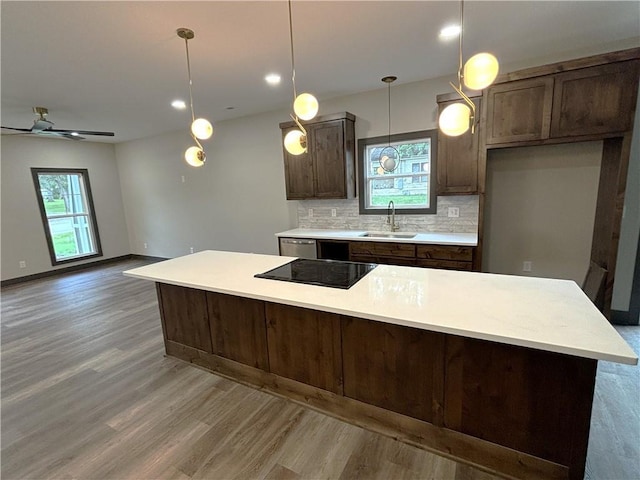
(388, 235)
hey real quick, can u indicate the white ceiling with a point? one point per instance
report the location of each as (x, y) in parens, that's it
(116, 66)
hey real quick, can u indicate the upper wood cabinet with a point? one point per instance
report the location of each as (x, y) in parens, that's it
(327, 169)
(595, 100)
(457, 162)
(519, 111)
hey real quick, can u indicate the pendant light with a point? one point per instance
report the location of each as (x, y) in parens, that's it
(201, 128)
(478, 73)
(305, 107)
(389, 156)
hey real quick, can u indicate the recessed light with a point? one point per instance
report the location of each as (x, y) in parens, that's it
(450, 31)
(230, 108)
(272, 79)
(179, 104)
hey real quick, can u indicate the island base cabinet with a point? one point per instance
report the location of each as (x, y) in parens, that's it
(393, 367)
(305, 345)
(184, 316)
(529, 400)
(238, 330)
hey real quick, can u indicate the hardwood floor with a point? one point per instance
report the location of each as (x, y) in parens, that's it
(87, 393)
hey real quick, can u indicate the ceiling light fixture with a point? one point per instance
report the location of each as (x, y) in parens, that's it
(179, 104)
(450, 31)
(305, 107)
(389, 156)
(272, 79)
(478, 73)
(201, 128)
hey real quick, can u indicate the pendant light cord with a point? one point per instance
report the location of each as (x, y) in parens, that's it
(293, 65)
(186, 44)
(460, 45)
(389, 112)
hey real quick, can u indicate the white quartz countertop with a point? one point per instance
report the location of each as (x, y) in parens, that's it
(545, 314)
(439, 238)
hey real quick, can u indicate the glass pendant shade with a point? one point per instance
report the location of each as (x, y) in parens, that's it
(480, 71)
(195, 156)
(454, 119)
(295, 142)
(305, 106)
(202, 128)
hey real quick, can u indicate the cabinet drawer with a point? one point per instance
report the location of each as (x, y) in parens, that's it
(444, 252)
(404, 261)
(445, 264)
(385, 249)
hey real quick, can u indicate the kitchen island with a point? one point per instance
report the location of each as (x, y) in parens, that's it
(494, 370)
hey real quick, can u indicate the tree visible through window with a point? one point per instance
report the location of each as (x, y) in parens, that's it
(411, 185)
(66, 206)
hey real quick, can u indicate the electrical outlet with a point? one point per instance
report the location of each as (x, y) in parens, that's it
(23, 264)
(526, 266)
(453, 212)
(145, 245)
(191, 250)
(311, 212)
(333, 212)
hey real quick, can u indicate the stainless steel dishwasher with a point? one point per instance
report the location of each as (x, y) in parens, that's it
(298, 247)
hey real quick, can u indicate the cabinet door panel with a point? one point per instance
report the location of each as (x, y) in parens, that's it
(594, 100)
(298, 173)
(238, 329)
(184, 316)
(519, 111)
(305, 345)
(445, 252)
(394, 367)
(328, 159)
(457, 163)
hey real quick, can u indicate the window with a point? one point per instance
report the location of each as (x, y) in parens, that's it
(64, 198)
(411, 185)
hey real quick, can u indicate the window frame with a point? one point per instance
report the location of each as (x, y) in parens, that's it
(91, 214)
(363, 143)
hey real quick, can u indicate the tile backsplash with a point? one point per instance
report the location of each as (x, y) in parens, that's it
(348, 216)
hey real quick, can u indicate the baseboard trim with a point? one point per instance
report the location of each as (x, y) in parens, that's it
(74, 268)
(620, 317)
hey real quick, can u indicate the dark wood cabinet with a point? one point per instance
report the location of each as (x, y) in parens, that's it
(457, 162)
(595, 100)
(448, 257)
(327, 169)
(184, 316)
(305, 345)
(519, 111)
(383, 252)
(238, 330)
(384, 365)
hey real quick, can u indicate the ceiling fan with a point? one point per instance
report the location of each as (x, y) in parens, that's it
(42, 126)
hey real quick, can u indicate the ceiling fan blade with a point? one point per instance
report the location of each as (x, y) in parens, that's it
(17, 129)
(59, 133)
(81, 132)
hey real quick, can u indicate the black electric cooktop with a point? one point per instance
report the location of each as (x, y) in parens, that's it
(327, 273)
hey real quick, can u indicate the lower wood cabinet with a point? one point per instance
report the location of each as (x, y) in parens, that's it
(448, 257)
(305, 345)
(389, 253)
(184, 316)
(238, 330)
(529, 400)
(393, 367)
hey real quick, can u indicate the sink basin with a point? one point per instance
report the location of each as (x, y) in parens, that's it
(388, 235)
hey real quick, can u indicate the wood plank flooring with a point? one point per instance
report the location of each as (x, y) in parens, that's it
(87, 393)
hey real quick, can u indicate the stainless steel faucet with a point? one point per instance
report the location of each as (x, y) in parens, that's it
(391, 217)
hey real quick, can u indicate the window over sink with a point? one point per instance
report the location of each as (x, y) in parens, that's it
(409, 182)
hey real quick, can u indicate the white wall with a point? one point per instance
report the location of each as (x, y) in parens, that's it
(540, 207)
(235, 202)
(23, 236)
